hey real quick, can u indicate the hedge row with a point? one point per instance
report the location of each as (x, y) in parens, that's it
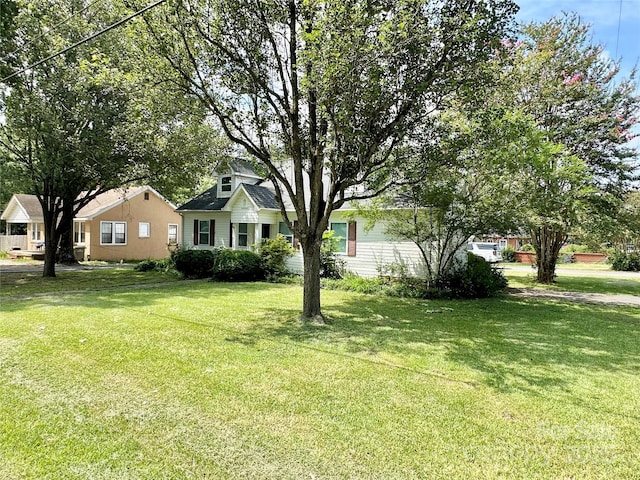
(236, 265)
(625, 262)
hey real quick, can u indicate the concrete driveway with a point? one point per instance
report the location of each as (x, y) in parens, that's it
(601, 298)
(523, 267)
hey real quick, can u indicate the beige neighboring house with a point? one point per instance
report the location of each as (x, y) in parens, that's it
(132, 223)
(26, 210)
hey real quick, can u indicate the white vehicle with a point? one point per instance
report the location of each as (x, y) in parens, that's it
(489, 251)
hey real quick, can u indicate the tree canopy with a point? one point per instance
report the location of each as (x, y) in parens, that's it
(571, 121)
(333, 87)
(87, 121)
(457, 190)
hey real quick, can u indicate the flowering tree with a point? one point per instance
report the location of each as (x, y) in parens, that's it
(569, 147)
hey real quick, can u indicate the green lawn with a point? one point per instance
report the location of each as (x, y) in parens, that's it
(32, 283)
(600, 280)
(204, 380)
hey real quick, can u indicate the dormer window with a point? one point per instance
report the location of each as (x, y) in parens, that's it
(226, 184)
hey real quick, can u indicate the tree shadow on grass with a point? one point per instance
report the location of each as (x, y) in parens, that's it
(511, 344)
(507, 344)
(131, 297)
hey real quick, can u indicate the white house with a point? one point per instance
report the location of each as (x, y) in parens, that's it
(241, 209)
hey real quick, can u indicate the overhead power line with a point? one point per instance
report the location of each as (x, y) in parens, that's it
(85, 40)
(52, 28)
(619, 22)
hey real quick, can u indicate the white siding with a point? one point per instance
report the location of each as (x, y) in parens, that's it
(16, 215)
(222, 228)
(271, 218)
(295, 263)
(244, 216)
(375, 251)
(223, 220)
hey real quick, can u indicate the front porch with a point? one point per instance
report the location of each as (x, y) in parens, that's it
(30, 254)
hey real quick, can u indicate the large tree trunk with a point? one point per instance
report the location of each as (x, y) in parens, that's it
(311, 293)
(65, 228)
(67, 255)
(547, 243)
(50, 245)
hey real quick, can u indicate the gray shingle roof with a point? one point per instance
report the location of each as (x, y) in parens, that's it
(207, 200)
(242, 167)
(31, 205)
(262, 196)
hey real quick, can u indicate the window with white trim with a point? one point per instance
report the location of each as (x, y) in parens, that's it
(144, 230)
(203, 232)
(173, 234)
(36, 232)
(340, 236)
(113, 233)
(226, 184)
(78, 232)
(243, 235)
(285, 232)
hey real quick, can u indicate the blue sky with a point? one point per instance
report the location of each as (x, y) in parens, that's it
(606, 20)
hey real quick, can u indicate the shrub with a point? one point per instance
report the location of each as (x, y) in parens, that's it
(331, 266)
(411, 287)
(509, 255)
(165, 265)
(527, 247)
(625, 262)
(236, 265)
(476, 279)
(146, 266)
(273, 254)
(193, 263)
(354, 283)
(574, 248)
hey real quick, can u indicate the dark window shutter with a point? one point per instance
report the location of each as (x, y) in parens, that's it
(196, 231)
(351, 239)
(230, 235)
(212, 232)
(296, 243)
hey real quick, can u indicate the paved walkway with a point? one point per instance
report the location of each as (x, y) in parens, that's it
(564, 296)
(581, 297)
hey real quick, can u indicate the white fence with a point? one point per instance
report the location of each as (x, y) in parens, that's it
(13, 242)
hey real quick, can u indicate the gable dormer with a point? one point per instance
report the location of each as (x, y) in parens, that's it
(226, 185)
(230, 175)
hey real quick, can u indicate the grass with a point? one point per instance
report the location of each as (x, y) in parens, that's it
(601, 281)
(205, 380)
(32, 283)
